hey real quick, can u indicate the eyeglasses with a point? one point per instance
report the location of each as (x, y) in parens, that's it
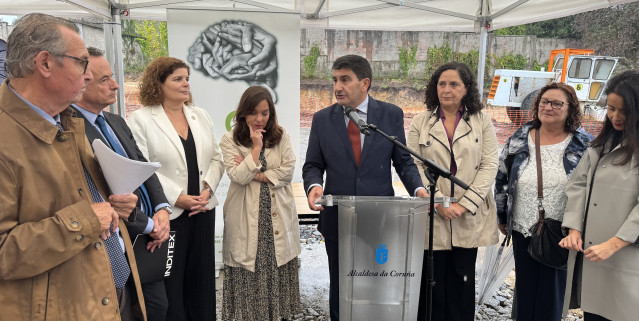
(84, 61)
(555, 104)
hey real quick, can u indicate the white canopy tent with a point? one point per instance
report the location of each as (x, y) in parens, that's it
(478, 16)
(416, 15)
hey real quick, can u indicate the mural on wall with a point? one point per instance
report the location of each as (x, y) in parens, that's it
(3, 56)
(237, 51)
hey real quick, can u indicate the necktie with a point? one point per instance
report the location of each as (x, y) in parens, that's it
(119, 265)
(144, 194)
(356, 140)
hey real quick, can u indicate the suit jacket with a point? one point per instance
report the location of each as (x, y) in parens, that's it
(137, 223)
(329, 151)
(159, 142)
(53, 263)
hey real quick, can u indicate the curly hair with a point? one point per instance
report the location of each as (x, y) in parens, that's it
(471, 101)
(155, 75)
(573, 122)
(250, 99)
(626, 85)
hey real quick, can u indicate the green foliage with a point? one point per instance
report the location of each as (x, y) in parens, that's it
(437, 56)
(511, 31)
(537, 66)
(471, 59)
(509, 61)
(407, 60)
(310, 62)
(154, 38)
(133, 68)
(129, 35)
(555, 28)
(612, 31)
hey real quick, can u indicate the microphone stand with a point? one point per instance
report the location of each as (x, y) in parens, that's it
(432, 172)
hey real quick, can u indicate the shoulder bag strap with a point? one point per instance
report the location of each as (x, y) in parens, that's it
(540, 186)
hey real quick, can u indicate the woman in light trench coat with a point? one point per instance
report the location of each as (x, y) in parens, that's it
(261, 230)
(456, 134)
(602, 212)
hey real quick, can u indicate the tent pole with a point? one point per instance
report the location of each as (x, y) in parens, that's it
(118, 62)
(108, 53)
(481, 66)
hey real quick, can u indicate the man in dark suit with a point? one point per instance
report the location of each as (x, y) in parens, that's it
(101, 92)
(354, 164)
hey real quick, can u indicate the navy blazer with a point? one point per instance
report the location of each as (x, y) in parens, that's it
(156, 194)
(329, 151)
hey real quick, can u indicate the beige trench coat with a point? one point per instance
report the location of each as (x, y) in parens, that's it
(475, 151)
(53, 264)
(609, 288)
(241, 207)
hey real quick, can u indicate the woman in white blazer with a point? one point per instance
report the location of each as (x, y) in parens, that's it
(180, 136)
(261, 231)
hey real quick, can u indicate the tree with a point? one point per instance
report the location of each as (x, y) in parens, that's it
(612, 31)
(154, 41)
(555, 28)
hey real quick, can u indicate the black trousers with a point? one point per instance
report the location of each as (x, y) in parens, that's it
(191, 286)
(539, 288)
(593, 317)
(454, 291)
(332, 252)
(157, 304)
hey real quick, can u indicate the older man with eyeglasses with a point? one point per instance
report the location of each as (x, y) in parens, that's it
(61, 253)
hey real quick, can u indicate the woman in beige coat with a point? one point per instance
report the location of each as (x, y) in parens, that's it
(456, 134)
(261, 231)
(602, 211)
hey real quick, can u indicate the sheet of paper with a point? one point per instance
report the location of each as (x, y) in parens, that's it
(122, 174)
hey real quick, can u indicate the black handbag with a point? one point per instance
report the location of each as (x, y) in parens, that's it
(546, 233)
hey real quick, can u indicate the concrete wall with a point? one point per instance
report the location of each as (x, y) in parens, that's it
(93, 35)
(5, 29)
(381, 48)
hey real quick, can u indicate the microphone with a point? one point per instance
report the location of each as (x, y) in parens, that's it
(351, 113)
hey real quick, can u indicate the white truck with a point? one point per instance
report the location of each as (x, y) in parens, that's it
(588, 74)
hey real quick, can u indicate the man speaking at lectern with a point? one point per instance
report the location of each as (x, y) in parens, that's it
(354, 164)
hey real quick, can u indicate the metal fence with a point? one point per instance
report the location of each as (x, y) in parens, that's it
(504, 124)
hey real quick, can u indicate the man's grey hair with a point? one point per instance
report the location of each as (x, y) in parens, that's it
(32, 34)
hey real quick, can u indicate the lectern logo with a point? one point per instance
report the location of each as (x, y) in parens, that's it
(381, 254)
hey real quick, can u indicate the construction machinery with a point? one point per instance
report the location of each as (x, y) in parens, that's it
(588, 74)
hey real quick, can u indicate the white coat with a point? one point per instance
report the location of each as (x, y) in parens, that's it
(159, 142)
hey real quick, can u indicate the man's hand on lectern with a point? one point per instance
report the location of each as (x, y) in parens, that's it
(315, 193)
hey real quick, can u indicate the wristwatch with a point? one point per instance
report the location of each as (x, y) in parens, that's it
(208, 188)
(166, 208)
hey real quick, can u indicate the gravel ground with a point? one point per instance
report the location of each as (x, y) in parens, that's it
(314, 283)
